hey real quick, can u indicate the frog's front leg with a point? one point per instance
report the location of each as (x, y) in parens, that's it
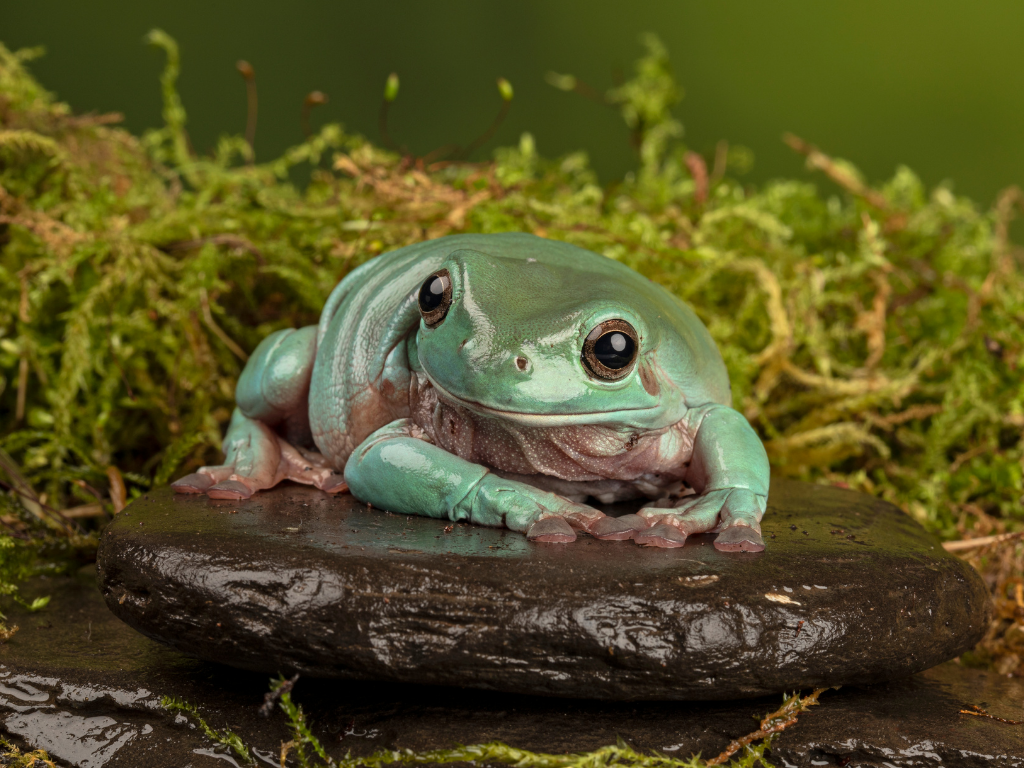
(272, 392)
(729, 471)
(398, 469)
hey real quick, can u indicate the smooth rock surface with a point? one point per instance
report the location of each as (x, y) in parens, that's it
(83, 685)
(849, 591)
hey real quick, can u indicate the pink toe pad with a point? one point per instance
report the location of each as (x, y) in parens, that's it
(229, 489)
(194, 483)
(551, 530)
(739, 538)
(617, 528)
(663, 535)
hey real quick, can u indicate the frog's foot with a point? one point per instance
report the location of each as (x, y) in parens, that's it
(600, 526)
(662, 535)
(194, 483)
(551, 530)
(203, 480)
(740, 538)
(258, 458)
(311, 468)
(618, 528)
(734, 512)
(543, 516)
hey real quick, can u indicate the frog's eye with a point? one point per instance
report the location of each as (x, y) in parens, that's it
(435, 297)
(610, 349)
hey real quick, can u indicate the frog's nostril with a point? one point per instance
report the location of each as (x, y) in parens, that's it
(521, 363)
(464, 342)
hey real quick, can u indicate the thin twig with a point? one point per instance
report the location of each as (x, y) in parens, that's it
(982, 541)
(232, 241)
(19, 408)
(776, 722)
(818, 160)
(204, 300)
(699, 171)
(85, 510)
(118, 493)
(979, 712)
(89, 120)
(30, 500)
(270, 698)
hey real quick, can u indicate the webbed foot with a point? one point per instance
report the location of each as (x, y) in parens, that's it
(232, 490)
(617, 528)
(739, 538)
(258, 458)
(194, 483)
(541, 515)
(334, 483)
(661, 535)
(734, 512)
(551, 530)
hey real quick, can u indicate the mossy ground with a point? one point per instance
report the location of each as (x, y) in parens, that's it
(874, 335)
(745, 751)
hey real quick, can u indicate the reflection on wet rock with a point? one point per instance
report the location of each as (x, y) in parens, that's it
(89, 742)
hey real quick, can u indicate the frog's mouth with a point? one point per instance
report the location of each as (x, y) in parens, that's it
(547, 419)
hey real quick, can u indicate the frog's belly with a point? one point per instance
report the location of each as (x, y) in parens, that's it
(650, 486)
(604, 462)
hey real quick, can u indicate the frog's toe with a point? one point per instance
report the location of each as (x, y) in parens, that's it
(334, 483)
(661, 535)
(739, 538)
(617, 528)
(229, 489)
(551, 530)
(194, 483)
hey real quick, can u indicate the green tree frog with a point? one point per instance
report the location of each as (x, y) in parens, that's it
(503, 380)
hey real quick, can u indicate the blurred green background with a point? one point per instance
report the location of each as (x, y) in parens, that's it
(935, 84)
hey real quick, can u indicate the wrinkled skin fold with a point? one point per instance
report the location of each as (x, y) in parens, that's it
(489, 400)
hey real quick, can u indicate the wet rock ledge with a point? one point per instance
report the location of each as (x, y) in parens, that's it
(850, 591)
(86, 687)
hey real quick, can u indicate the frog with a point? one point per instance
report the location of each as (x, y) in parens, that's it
(505, 380)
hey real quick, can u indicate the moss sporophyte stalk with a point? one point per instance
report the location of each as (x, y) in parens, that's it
(874, 335)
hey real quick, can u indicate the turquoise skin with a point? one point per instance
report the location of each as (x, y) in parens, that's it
(502, 380)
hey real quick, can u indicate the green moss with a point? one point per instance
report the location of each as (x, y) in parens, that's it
(13, 757)
(227, 738)
(874, 335)
(744, 752)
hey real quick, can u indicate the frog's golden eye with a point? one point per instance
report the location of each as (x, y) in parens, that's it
(611, 349)
(435, 297)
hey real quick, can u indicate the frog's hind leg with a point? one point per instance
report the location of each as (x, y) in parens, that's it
(272, 412)
(256, 457)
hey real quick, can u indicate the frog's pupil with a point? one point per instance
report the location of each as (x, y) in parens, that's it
(432, 293)
(614, 350)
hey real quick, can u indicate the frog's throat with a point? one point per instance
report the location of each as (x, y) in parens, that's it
(541, 419)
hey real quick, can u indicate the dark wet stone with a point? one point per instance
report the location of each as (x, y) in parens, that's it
(849, 591)
(85, 686)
